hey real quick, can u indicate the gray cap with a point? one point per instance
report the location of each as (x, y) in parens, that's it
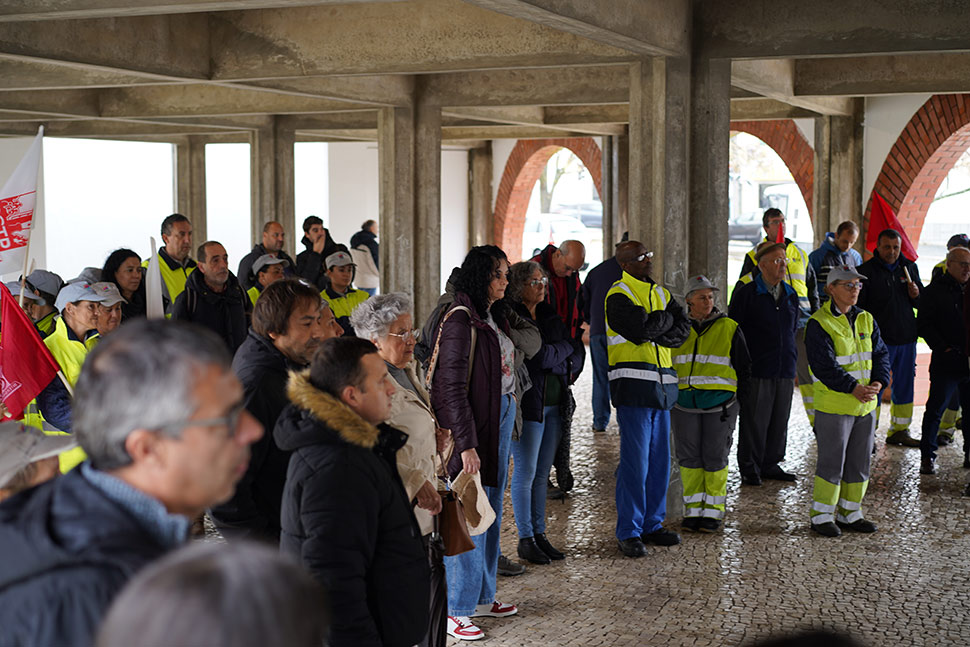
(110, 292)
(88, 274)
(20, 446)
(339, 259)
(842, 273)
(80, 291)
(14, 287)
(699, 282)
(46, 282)
(268, 259)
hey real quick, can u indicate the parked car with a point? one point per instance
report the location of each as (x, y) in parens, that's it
(589, 213)
(545, 228)
(747, 226)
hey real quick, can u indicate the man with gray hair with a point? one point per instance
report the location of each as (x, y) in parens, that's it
(160, 415)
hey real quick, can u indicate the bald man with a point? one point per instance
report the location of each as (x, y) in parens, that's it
(273, 240)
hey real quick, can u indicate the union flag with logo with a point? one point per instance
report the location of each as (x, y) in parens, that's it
(26, 366)
(17, 201)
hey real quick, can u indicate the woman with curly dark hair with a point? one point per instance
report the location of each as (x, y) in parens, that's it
(123, 268)
(472, 380)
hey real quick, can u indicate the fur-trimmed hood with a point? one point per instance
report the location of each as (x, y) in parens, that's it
(312, 407)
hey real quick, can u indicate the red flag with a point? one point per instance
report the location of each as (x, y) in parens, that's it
(780, 236)
(26, 366)
(881, 218)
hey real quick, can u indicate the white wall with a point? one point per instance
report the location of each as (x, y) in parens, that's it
(501, 150)
(12, 151)
(807, 128)
(454, 210)
(885, 119)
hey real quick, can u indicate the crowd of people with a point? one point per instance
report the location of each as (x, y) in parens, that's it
(303, 411)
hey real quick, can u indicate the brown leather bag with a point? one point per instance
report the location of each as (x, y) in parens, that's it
(452, 525)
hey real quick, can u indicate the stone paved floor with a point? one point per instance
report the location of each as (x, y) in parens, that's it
(765, 573)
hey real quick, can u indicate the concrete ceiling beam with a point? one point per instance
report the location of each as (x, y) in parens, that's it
(65, 103)
(23, 10)
(391, 90)
(775, 79)
(766, 109)
(878, 75)
(363, 120)
(505, 132)
(645, 27)
(567, 115)
(105, 128)
(532, 87)
(26, 74)
(795, 28)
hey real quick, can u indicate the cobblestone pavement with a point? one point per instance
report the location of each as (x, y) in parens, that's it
(764, 573)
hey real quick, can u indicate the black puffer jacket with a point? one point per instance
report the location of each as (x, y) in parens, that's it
(886, 297)
(940, 324)
(310, 264)
(67, 550)
(245, 273)
(347, 517)
(225, 313)
(254, 510)
(553, 361)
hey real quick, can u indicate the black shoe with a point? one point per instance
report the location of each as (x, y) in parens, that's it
(530, 552)
(902, 437)
(827, 529)
(508, 568)
(859, 525)
(598, 430)
(927, 466)
(966, 462)
(661, 537)
(632, 547)
(551, 551)
(709, 524)
(777, 474)
(691, 524)
(942, 440)
(967, 491)
(555, 494)
(750, 479)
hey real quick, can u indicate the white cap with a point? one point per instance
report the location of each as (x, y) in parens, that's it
(20, 446)
(80, 291)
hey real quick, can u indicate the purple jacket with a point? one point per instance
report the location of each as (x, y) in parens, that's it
(472, 410)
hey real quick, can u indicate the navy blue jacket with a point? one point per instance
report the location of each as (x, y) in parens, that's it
(369, 239)
(768, 327)
(598, 282)
(886, 296)
(821, 354)
(553, 361)
(940, 324)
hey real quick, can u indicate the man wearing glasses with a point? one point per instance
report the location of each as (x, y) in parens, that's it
(160, 415)
(851, 365)
(767, 312)
(940, 324)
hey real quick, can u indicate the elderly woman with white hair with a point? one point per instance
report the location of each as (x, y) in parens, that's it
(386, 321)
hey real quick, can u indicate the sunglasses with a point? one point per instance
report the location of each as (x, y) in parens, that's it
(643, 256)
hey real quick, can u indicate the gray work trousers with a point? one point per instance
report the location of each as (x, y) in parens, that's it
(763, 433)
(844, 446)
(703, 440)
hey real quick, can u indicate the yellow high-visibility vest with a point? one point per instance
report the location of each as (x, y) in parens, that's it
(795, 275)
(853, 352)
(704, 361)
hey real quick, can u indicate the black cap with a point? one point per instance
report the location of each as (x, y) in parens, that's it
(958, 240)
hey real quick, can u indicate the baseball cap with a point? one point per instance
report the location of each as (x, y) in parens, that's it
(45, 282)
(14, 287)
(699, 282)
(842, 273)
(80, 291)
(268, 259)
(339, 259)
(110, 292)
(20, 446)
(958, 240)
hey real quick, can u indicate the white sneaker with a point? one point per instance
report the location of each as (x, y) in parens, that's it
(462, 628)
(495, 610)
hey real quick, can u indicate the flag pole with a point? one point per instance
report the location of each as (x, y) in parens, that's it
(67, 385)
(23, 277)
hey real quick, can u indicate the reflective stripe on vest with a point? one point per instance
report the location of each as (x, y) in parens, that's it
(704, 361)
(172, 280)
(68, 353)
(853, 352)
(647, 361)
(253, 293)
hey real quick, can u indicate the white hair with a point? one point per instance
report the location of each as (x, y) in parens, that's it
(373, 318)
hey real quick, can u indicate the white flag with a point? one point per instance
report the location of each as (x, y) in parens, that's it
(17, 200)
(153, 286)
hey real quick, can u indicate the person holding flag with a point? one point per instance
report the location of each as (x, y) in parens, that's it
(800, 275)
(892, 294)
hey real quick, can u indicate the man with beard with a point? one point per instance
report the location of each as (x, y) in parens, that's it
(290, 321)
(319, 245)
(273, 239)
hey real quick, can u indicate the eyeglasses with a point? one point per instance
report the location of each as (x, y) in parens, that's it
(641, 257)
(407, 335)
(230, 421)
(851, 286)
(778, 261)
(537, 282)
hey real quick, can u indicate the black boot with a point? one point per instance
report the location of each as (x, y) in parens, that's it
(529, 551)
(544, 545)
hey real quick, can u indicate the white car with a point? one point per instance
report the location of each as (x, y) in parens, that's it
(545, 228)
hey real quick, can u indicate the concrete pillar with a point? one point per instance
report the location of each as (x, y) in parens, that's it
(427, 205)
(272, 184)
(621, 186)
(608, 199)
(190, 195)
(710, 125)
(837, 190)
(676, 213)
(480, 195)
(285, 184)
(395, 154)
(647, 152)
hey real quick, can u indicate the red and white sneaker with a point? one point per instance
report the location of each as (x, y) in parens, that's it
(462, 628)
(495, 610)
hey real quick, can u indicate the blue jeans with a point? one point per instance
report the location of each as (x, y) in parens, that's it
(942, 389)
(601, 381)
(902, 363)
(533, 454)
(641, 479)
(471, 576)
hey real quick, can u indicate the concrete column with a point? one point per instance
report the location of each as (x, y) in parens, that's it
(285, 183)
(677, 126)
(190, 194)
(608, 199)
(621, 186)
(262, 185)
(480, 195)
(427, 205)
(837, 190)
(395, 134)
(710, 125)
(647, 152)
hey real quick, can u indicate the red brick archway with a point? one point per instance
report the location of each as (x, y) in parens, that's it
(784, 137)
(929, 146)
(522, 170)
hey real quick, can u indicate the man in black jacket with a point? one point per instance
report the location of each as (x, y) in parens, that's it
(367, 236)
(290, 321)
(891, 293)
(213, 297)
(940, 324)
(346, 514)
(273, 240)
(319, 245)
(160, 416)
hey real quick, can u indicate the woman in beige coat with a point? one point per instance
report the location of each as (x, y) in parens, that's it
(386, 320)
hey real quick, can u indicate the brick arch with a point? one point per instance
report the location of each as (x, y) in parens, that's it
(926, 150)
(522, 171)
(784, 137)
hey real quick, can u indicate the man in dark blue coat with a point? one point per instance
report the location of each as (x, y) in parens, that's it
(766, 310)
(160, 416)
